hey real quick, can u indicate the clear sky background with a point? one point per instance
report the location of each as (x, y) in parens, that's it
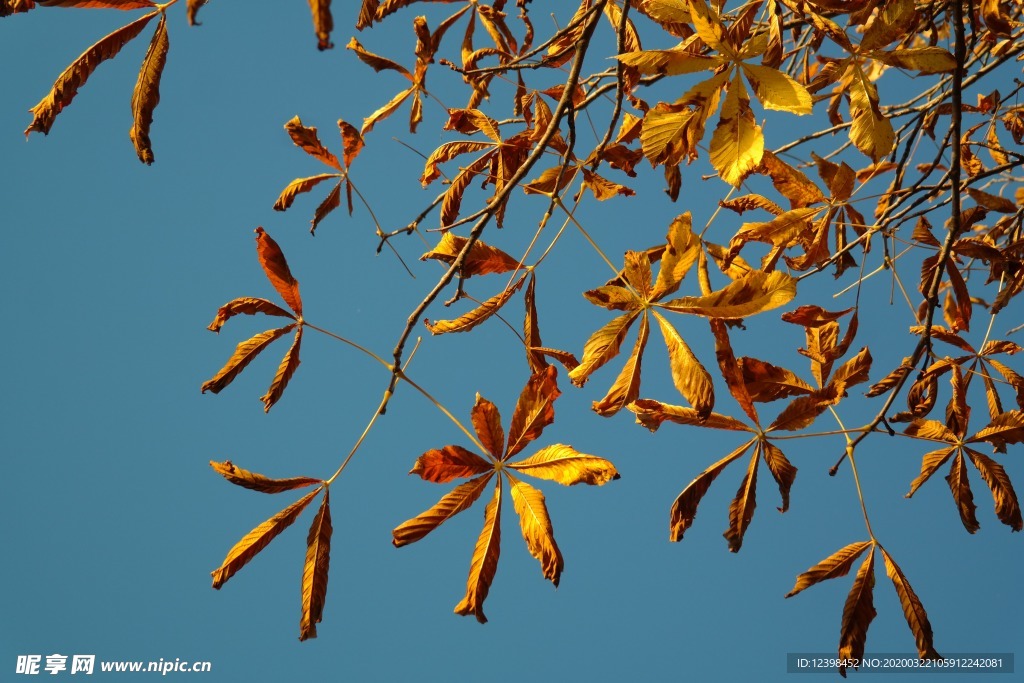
(114, 519)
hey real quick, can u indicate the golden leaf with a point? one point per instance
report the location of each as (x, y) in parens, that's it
(450, 462)
(244, 353)
(690, 377)
(257, 482)
(487, 423)
(323, 24)
(289, 364)
(191, 9)
(931, 430)
(931, 462)
(913, 610)
(276, 268)
(331, 202)
(315, 570)
(468, 321)
(782, 232)
(926, 60)
(376, 62)
(536, 527)
(741, 510)
(782, 471)
(567, 466)
(602, 346)
(249, 306)
(257, 539)
(684, 509)
(482, 258)
(681, 250)
(626, 387)
(614, 298)
(669, 62)
(737, 144)
(766, 382)
(387, 110)
(74, 77)
(832, 567)
(652, 414)
(800, 413)
(750, 294)
(534, 411)
(992, 202)
(960, 487)
(485, 561)
(453, 195)
(776, 90)
(730, 369)
(1007, 506)
(298, 186)
(858, 612)
(146, 95)
(306, 138)
(447, 152)
(994, 18)
(871, 132)
(460, 498)
(792, 183)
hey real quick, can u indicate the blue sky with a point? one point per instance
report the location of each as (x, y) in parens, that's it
(115, 519)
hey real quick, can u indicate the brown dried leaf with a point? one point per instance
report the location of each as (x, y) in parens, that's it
(460, 498)
(315, 570)
(626, 387)
(782, 471)
(323, 24)
(929, 464)
(257, 539)
(481, 313)
(602, 346)
(276, 268)
(191, 9)
(482, 258)
(748, 295)
(451, 462)
(652, 414)
(534, 411)
(485, 561)
(243, 355)
(684, 509)
(249, 306)
(146, 95)
(487, 424)
(306, 138)
(331, 202)
(730, 369)
(1007, 505)
(297, 187)
(766, 382)
(741, 510)
(832, 567)
(74, 77)
(257, 482)
(858, 612)
(690, 377)
(913, 610)
(289, 364)
(960, 486)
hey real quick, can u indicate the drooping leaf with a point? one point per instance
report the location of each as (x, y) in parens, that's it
(684, 509)
(481, 313)
(930, 463)
(331, 202)
(858, 612)
(690, 377)
(1005, 498)
(626, 387)
(1005, 428)
(913, 610)
(782, 471)
(485, 561)
(652, 414)
(146, 95)
(482, 258)
(960, 487)
(458, 499)
(191, 9)
(297, 187)
(681, 251)
(257, 482)
(289, 364)
(315, 570)
(448, 463)
(766, 382)
(243, 355)
(730, 369)
(748, 295)
(257, 539)
(741, 510)
(276, 268)
(246, 305)
(602, 346)
(323, 23)
(832, 567)
(737, 144)
(306, 138)
(567, 466)
(74, 77)
(536, 528)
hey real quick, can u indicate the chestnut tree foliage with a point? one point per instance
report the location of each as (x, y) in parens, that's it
(618, 99)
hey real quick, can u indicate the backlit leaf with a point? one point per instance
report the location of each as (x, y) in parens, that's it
(485, 561)
(257, 539)
(276, 268)
(737, 144)
(460, 498)
(652, 414)
(297, 187)
(681, 250)
(315, 570)
(602, 346)
(331, 202)
(684, 509)
(534, 410)
(930, 463)
(482, 258)
(750, 294)
(536, 527)
(1007, 505)
(243, 355)
(306, 138)
(323, 24)
(776, 90)
(146, 95)
(960, 487)
(567, 466)
(766, 382)
(1004, 429)
(690, 377)
(925, 60)
(481, 313)
(289, 364)
(730, 369)
(782, 471)
(858, 612)
(741, 510)
(249, 306)
(913, 610)
(487, 424)
(74, 77)
(448, 463)
(257, 482)
(832, 567)
(626, 387)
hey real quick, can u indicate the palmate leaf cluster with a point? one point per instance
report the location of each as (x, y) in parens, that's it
(859, 194)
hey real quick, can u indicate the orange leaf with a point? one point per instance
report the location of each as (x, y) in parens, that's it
(468, 321)
(913, 610)
(315, 570)
(690, 377)
(248, 306)
(74, 77)
(782, 471)
(858, 612)
(766, 382)
(331, 202)
(289, 364)
(741, 510)
(323, 24)
(684, 509)
(351, 142)
(567, 466)
(536, 527)
(652, 414)
(960, 487)
(448, 463)
(98, 4)
(602, 346)
(1007, 506)
(748, 295)
(681, 250)
(487, 423)
(801, 412)
(534, 411)
(257, 482)
(191, 9)
(146, 95)
(485, 561)
(730, 369)
(626, 387)
(257, 539)
(306, 138)
(460, 498)
(482, 258)
(276, 268)
(930, 463)
(1005, 428)
(298, 186)
(243, 355)
(832, 567)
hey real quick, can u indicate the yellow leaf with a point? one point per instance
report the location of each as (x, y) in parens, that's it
(460, 498)
(536, 527)
(684, 508)
(669, 62)
(709, 27)
(776, 90)
(690, 377)
(534, 411)
(257, 482)
(315, 570)
(243, 355)
(257, 539)
(681, 250)
(832, 567)
(926, 60)
(626, 387)
(74, 77)
(485, 561)
(447, 152)
(146, 95)
(289, 364)
(567, 466)
(652, 414)
(871, 132)
(752, 293)
(297, 187)
(385, 111)
(469, 320)
(602, 346)
(737, 144)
